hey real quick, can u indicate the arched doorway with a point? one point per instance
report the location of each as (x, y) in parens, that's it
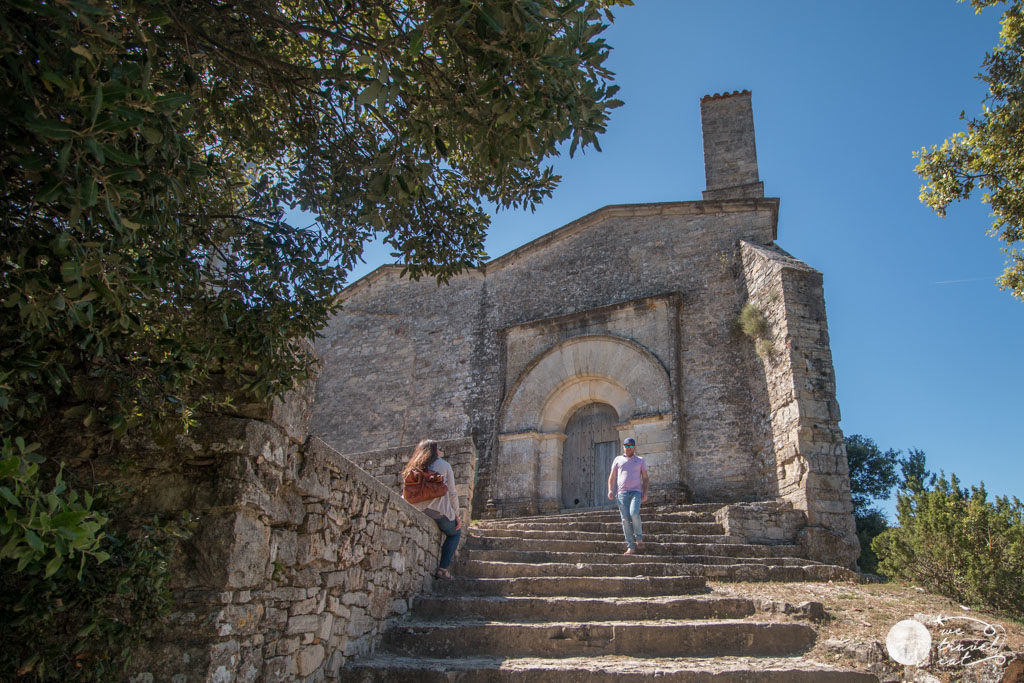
(591, 444)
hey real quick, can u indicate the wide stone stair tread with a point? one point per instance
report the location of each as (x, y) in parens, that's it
(611, 515)
(551, 556)
(385, 668)
(570, 545)
(611, 536)
(518, 608)
(596, 586)
(751, 571)
(658, 638)
(615, 527)
(500, 570)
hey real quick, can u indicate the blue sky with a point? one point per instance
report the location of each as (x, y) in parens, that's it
(926, 347)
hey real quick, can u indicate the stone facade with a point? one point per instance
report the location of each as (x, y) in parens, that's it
(631, 307)
(300, 558)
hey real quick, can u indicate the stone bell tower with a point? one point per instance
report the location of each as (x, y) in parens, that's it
(730, 156)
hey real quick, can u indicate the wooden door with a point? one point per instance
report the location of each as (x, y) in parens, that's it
(590, 447)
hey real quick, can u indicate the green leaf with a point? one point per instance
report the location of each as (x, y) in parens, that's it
(53, 565)
(33, 540)
(7, 494)
(153, 136)
(51, 130)
(83, 52)
(87, 192)
(97, 103)
(70, 271)
(70, 519)
(171, 101)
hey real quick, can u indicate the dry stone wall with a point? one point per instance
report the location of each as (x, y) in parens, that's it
(300, 558)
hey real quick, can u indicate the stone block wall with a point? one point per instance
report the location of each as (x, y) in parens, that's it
(810, 468)
(386, 464)
(299, 561)
(768, 522)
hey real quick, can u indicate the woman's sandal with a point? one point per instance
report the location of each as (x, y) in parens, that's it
(443, 574)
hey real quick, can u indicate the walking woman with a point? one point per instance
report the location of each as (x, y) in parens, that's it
(444, 510)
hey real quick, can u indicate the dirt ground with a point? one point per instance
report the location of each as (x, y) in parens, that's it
(858, 618)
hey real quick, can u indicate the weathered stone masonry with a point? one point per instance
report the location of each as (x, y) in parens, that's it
(631, 308)
(300, 558)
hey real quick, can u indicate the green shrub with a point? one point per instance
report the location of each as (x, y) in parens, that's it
(870, 524)
(77, 596)
(753, 324)
(955, 542)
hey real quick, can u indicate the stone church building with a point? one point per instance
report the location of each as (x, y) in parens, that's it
(622, 323)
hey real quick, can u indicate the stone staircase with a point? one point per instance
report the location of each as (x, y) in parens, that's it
(554, 599)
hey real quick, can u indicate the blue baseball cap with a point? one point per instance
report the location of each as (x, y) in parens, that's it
(629, 442)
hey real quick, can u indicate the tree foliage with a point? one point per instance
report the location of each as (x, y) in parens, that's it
(872, 476)
(150, 155)
(150, 149)
(953, 541)
(872, 472)
(989, 155)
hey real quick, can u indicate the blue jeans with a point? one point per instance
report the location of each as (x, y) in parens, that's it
(451, 541)
(629, 510)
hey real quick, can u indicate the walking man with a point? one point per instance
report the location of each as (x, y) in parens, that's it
(629, 478)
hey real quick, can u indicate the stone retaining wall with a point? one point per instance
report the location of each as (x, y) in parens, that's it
(299, 561)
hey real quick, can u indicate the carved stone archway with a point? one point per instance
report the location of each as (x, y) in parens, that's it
(559, 381)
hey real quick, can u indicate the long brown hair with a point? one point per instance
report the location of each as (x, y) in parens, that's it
(425, 453)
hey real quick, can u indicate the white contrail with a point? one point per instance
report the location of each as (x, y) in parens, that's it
(953, 282)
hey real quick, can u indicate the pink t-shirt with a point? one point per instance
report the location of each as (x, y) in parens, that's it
(629, 471)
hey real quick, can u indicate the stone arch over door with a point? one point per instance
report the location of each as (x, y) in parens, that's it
(552, 388)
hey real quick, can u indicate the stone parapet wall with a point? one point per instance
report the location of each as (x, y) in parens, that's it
(810, 469)
(386, 466)
(299, 561)
(767, 522)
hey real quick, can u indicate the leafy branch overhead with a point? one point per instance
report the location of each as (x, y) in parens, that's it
(150, 150)
(989, 155)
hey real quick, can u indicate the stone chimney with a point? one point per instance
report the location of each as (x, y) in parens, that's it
(730, 158)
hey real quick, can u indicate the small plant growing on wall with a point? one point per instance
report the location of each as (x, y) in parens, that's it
(753, 324)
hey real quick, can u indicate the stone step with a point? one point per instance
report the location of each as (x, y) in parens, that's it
(721, 572)
(667, 638)
(547, 556)
(569, 545)
(385, 668)
(610, 515)
(585, 586)
(650, 527)
(435, 608)
(497, 570)
(569, 534)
